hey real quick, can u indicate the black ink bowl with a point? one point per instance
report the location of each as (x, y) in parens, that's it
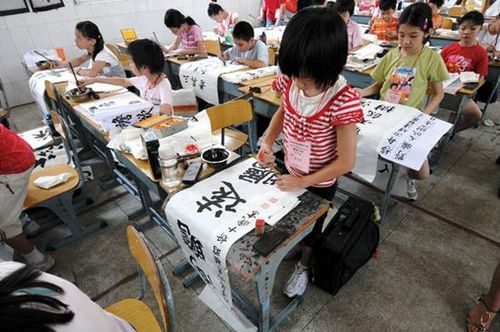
(215, 157)
(43, 65)
(80, 96)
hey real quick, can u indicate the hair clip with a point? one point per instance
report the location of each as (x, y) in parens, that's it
(426, 23)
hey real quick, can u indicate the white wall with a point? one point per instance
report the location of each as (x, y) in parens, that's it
(23, 32)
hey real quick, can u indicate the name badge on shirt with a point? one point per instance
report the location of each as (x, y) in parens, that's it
(401, 83)
(298, 154)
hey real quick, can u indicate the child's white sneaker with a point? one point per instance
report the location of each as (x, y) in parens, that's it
(297, 284)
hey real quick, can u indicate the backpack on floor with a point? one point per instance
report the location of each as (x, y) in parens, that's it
(347, 244)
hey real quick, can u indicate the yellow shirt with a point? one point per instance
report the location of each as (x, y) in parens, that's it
(430, 68)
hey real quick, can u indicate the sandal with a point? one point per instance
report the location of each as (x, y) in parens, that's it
(485, 319)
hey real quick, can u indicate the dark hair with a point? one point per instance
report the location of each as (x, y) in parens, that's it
(388, 4)
(214, 8)
(90, 30)
(174, 19)
(438, 3)
(147, 53)
(343, 6)
(301, 4)
(314, 46)
(243, 30)
(419, 15)
(476, 17)
(30, 312)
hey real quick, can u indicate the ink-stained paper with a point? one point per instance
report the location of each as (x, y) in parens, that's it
(38, 137)
(203, 76)
(247, 75)
(37, 84)
(410, 144)
(119, 111)
(214, 213)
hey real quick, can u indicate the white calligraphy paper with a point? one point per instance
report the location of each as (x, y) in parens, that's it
(410, 144)
(213, 214)
(242, 76)
(380, 118)
(37, 84)
(203, 77)
(119, 111)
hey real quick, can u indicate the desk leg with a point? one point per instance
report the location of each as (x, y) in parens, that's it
(265, 283)
(388, 189)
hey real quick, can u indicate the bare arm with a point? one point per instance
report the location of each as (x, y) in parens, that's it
(174, 45)
(266, 155)
(200, 49)
(252, 63)
(437, 96)
(94, 71)
(370, 90)
(166, 109)
(281, 15)
(121, 81)
(74, 62)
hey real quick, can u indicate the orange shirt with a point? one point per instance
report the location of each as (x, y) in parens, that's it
(437, 21)
(380, 26)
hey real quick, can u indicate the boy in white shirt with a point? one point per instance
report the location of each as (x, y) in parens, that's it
(147, 64)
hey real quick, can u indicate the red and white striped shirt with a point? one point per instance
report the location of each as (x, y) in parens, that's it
(319, 128)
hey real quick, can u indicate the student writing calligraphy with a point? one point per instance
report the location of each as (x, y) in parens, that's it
(186, 31)
(317, 115)
(247, 51)
(226, 19)
(101, 60)
(405, 73)
(147, 64)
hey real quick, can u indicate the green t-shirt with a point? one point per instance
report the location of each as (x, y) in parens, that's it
(430, 68)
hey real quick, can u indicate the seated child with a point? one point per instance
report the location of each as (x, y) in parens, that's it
(247, 51)
(467, 55)
(437, 20)
(346, 9)
(186, 31)
(386, 27)
(101, 60)
(147, 64)
(488, 38)
(405, 72)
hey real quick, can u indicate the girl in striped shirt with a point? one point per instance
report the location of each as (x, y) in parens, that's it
(318, 116)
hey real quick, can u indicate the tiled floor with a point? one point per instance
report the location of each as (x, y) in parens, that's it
(436, 256)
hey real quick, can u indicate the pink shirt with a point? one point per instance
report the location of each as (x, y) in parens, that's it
(353, 35)
(191, 38)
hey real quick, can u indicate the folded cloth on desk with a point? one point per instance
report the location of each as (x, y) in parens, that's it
(469, 77)
(47, 182)
(368, 52)
(247, 75)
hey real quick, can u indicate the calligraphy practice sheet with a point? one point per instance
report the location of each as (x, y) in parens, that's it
(37, 84)
(37, 137)
(410, 144)
(119, 111)
(247, 75)
(31, 58)
(213, 214)
(203, 76)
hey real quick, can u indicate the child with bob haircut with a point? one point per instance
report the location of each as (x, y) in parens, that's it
(147, 64)
(187, 32)
(467, 55)
(247, 51)
(101, 60)
(317, 115)
(403, 74)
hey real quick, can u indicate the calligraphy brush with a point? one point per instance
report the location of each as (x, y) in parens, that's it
(43, 56)
(156, 37)
(74, 75)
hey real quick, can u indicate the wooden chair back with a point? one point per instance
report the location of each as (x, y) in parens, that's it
(230, 114)
(455, 11)
(151, 267)
(123, 58)
(272, 55)
(212, 47)
(446, 23)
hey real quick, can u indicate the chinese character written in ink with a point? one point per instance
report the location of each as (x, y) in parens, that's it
(202, 84)
(221, 238)
(406, 146)
(257, 173)
(144, 114)
(400, 155)
(216, 251)
(122, 121)
(386, 149)
(243, 222)
(194, 80)
(385, 169)
(191, 241)
(202, 273)
(252, 214)
(219, 197)
(186, 78)
(232, 229)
